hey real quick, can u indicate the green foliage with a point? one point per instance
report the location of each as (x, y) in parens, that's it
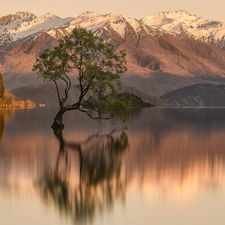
(132, 100)
(118, 105)
(2, 86)
(97, 65)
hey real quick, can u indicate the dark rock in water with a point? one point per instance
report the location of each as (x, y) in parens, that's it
(199, 95)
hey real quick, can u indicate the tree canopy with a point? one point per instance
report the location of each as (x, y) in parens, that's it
(98, 68)
(2, 86)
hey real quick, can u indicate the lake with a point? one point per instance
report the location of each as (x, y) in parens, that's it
(167, 168)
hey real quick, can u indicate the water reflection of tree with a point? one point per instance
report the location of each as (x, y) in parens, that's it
(4, 114)
(2, 124)
(100, 181)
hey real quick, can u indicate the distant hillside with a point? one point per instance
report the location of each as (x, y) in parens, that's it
(42, 94)
(200, 95)
(11, 101)
(46, 94)
(156, 101)
(164, 52)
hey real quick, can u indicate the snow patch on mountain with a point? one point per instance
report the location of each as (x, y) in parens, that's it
(20, 27)
(96, 22)
(176, 22)
(24, 16)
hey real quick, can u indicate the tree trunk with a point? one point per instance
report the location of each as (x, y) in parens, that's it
(58, 120)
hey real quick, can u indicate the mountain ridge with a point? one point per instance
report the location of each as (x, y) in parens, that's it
(173, 22)
(198, 95)
(178, 22)
(158, 61)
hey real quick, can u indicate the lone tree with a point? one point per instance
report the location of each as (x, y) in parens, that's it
(2, 86)
(98, 68)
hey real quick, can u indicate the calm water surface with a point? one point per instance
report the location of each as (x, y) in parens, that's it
(168, 168)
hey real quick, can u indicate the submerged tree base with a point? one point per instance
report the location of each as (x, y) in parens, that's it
(57, 126)
(58, 121)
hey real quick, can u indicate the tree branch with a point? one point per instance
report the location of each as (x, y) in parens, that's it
(57, 91)
(68, 86)
(98, 118)
(92, 107)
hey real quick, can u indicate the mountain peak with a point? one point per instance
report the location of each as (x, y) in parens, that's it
(177, 12)
(181, 22)
(88, 14)
(23, 24)
(48, 16)
(169, 16)
(26, 16)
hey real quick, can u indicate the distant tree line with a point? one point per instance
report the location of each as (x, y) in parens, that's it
(130, 99)
(2, 86)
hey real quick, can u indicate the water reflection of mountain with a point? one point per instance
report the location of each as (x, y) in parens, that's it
(173, 154)
(178, 152)
(164, 119)
(2, 124)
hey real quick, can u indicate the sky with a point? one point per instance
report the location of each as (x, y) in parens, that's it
(212, 10)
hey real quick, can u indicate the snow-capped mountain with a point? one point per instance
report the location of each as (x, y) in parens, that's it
(164, 52)
(116, 22)
(24, 24)
(181, 22)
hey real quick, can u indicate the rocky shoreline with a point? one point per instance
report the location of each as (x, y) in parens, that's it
(10, 101)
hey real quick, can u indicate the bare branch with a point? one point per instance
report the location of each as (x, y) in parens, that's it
(98, 118)
(92, 107)
(57, 91)
(68, 86)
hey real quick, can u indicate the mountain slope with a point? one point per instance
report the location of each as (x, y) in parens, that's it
(24, 24)
(199, 95)
(158, 61)
(46, 94)
(182, 23)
